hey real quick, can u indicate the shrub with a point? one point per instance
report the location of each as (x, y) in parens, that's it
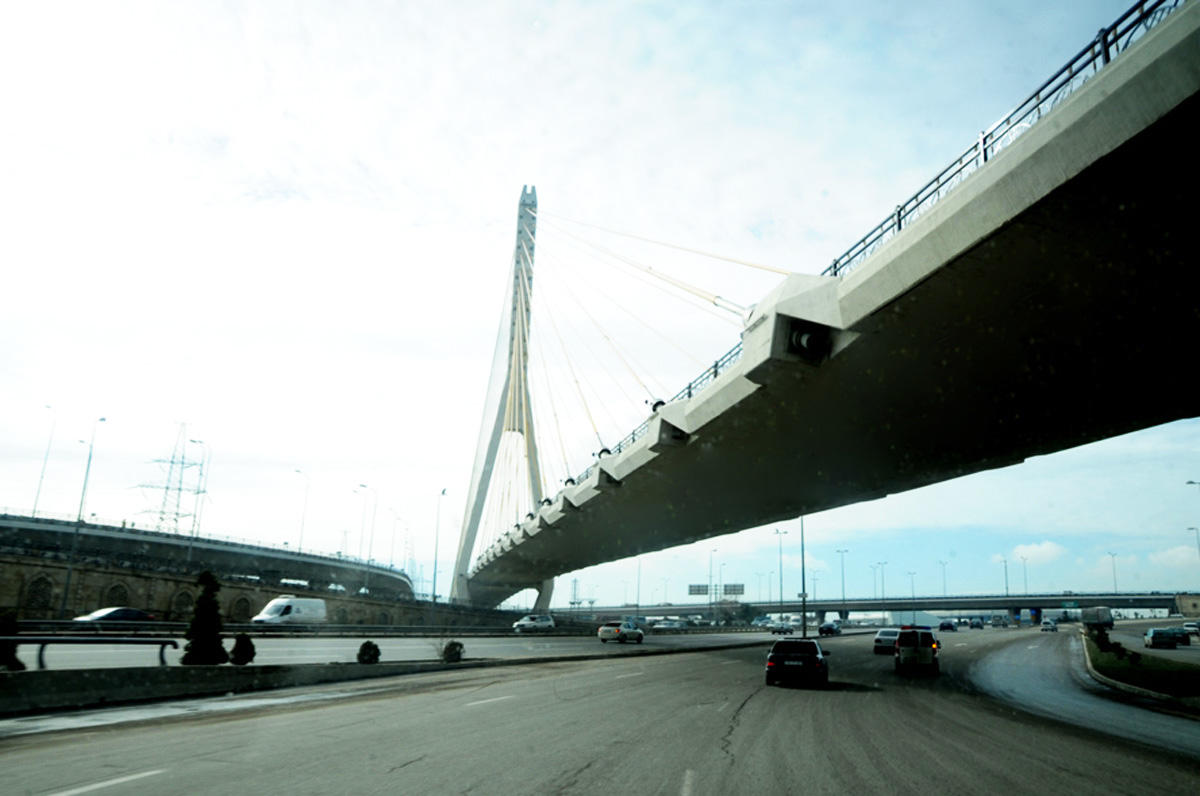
(368, 652)
(452, 652)
(243, 650)
(1135, 658)
(204, 632)
(1118, 649)
(8, 649)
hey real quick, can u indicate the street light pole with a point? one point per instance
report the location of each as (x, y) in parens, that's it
(712, 613)
(803, 586)
(1005, 562)
(303, 510)
(45, 459)
(437, 527)
(912, 580)
(944, 592)
(882, 590)
(842, 555)
(1025, 573)
(62, 611)
(1114, 569)
(780, 534)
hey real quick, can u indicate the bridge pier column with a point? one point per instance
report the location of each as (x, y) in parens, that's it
(545, 592)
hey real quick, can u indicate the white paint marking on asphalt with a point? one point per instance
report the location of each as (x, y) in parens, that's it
(961, 644)
(1032, 647)
(730, 663)
(635, 674)
(689, 782)
(107, 783)
(485, 701)
(723, 706)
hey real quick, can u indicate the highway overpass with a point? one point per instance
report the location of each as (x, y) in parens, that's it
(1045, 302)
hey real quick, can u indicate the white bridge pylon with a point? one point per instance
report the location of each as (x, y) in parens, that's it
(507, 415)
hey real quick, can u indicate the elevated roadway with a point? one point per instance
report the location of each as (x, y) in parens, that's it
(1046, 302)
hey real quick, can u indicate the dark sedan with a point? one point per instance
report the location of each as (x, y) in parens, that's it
(797, 659)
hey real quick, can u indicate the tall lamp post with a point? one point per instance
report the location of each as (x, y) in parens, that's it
(912, 580)
(1004, 561)
(303, 509)
(62, 612)
(1114, 570)
(842, 555)
(437, 528)
(882, 590)
(201, 489)
(780, 534)
(1025, 573)
(712, 611)
(803, 586)
(45, 459)
(944, 592)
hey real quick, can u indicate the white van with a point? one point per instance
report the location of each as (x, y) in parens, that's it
(289, 609)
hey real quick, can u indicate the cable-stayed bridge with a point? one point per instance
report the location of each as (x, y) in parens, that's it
(1036, 295)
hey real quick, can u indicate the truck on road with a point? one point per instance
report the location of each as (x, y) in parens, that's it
(1096, 617)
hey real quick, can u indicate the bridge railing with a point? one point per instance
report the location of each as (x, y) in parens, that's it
(1110, 42)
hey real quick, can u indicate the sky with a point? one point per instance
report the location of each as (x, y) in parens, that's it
(288, 226)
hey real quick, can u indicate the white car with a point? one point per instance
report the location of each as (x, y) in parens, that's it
(620, 632)
(1192, 628)
(534, 623)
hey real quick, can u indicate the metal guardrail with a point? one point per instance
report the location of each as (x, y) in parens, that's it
(45, 641)
(1110, 42)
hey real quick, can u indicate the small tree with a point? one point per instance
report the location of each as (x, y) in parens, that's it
(243, 650)
(452, 652)
(204, 646)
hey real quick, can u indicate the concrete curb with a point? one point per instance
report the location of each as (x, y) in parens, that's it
(42, 691)
(1169, 703)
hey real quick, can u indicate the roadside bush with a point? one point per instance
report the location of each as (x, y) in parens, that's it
(452, 652)
(368, 652)
(1118, 649)
(204, 632)
(243, 650)
(8, 649)
(1135, 658)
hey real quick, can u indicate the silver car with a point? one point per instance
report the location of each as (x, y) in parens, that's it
(885, 641)
(620, 632)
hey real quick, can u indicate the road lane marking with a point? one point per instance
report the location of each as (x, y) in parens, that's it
(635, 674)
(107, 783)
(730, 663)
(485, 701)
(689, 783)
(961, 644)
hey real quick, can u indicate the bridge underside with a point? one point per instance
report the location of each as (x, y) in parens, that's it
(1041, 306)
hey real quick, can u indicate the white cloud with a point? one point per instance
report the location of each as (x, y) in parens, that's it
(1039, 553)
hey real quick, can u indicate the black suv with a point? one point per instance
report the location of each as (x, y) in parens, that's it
(797, 659)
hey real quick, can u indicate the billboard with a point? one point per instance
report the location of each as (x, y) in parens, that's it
(734, 589)
(698, 588)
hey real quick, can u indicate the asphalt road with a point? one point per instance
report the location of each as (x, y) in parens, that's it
(696, 723)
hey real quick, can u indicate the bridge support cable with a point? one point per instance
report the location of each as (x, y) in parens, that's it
(674, 246)
(506, 407)
(712, 298)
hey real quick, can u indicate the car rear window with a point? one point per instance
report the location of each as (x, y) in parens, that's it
(795, 648)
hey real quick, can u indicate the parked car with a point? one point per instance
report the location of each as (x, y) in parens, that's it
(1159, 637)
(916, 649)
(533, 623)
(116, 615)
(619, 632)
(1049, 626)
(885, 641)
(948, 624)
(830, 629)
(792, 659)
